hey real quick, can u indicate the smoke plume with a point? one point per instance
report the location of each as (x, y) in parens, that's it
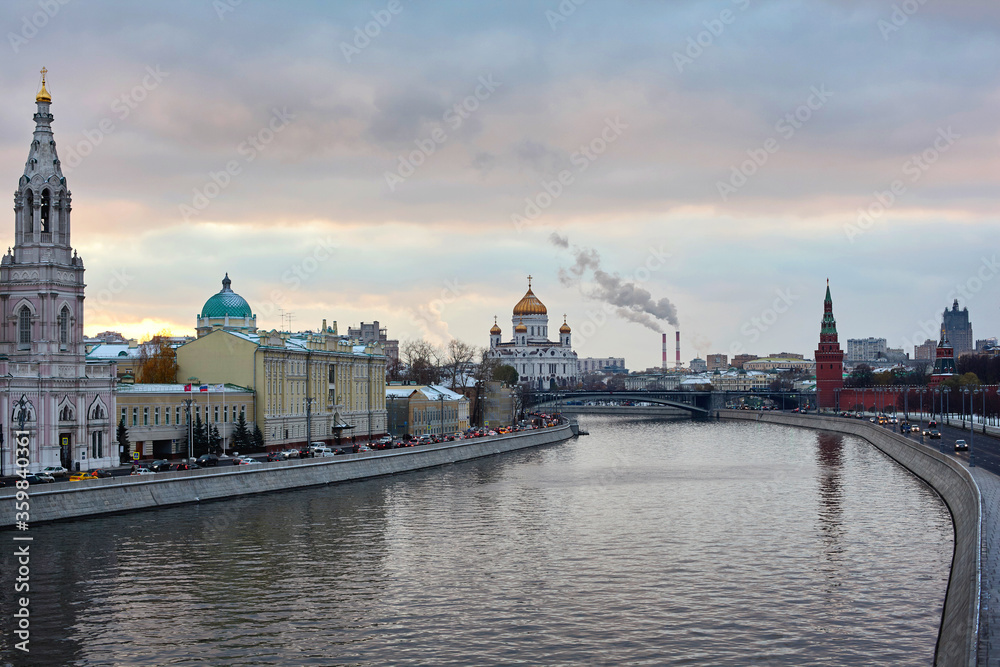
(632, 303)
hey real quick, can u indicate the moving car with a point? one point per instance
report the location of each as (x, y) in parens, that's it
(143, 471)
(39, 478)
(961, 446)
(206, 460)
(102, 473)
(247, 461)
(160, 465)
(55, 471)
(935, 434)
(290, 454)
(80, 476)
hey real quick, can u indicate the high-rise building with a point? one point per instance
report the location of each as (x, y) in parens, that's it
(926, 351)
(717, 362)
(829, 358)
(371, 332)
(959, 329)
(860, 350)
(65, 404)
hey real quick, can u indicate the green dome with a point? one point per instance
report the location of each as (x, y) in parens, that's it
(226, 302)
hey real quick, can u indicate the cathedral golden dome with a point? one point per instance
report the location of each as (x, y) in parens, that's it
(495, 331)
(521, 328)
(529, 304)
(43, 95)
(565, 327)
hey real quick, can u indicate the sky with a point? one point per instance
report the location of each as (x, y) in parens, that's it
(706, 165)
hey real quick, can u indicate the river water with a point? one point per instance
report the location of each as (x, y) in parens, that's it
(647, 542)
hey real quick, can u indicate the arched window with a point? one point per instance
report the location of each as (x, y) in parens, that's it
(46, 210)
(66, 414)
(29, 210)
(97, 412)
(64, 326)
(24, 327)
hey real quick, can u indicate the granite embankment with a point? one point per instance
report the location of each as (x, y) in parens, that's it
(123, 494)
(960, 621)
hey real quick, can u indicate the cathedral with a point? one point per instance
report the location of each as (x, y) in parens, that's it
(539, 362)
(64, 403)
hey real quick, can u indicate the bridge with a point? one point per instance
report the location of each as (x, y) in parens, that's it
(698, 403)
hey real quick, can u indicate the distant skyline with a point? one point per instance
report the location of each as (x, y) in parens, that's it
(704, 163)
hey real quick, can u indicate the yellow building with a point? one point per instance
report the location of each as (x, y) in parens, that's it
(426, 409)
(155, 415)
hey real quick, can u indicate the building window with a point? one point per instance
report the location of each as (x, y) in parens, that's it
(124, 415)
(145, 416)
(64, 326)
(135, 416)
(96, 445)
(156, 416)
(24, 327)
(166, 415)
(216, 415)
(177, 414)
(46, 207)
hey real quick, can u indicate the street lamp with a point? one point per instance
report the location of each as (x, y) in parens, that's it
(972, 428)
(188, 402)
(947, 411)
(920, 422)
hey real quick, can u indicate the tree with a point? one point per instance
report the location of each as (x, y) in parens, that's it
(423, 362)
(861, 376)
(123, 442)
(200, 437)
(458, 363)
(157, 361)
(242, 437)
(258, 439)
(506, 374)
(214, 440)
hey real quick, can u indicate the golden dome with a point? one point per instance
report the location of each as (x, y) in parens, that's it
(43, 95)
(495, 331)
(529, 304)
(520, 328)
(565, 327)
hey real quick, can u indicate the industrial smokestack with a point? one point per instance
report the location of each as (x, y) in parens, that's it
(664, 367)
(678, 349)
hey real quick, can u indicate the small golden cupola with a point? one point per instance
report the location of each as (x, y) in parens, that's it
(43, 95)
(521, 328)
(564, 329)
(495, 331)
(530, 304)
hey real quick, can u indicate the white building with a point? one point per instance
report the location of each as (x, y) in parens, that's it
(65, 403)
(602, 364)
(538, 361)
(865, 350)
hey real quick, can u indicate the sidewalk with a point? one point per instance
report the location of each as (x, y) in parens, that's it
(989, 621)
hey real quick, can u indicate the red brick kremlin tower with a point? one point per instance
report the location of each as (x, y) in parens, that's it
(829, 358)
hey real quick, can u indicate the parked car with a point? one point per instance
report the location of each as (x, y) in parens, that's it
(55, 471)
(961, 446)
(206, 460)
(80, 476)
(39, 478)
(160, 465)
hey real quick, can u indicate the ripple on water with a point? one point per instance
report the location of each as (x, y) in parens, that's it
(646, 543)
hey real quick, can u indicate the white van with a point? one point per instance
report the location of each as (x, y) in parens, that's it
(321, 450)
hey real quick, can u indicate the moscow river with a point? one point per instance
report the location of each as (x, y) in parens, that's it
(645, 543)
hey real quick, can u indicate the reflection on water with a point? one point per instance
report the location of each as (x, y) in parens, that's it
(645, 543)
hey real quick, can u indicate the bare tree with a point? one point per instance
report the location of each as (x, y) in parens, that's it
(459, 362)
(423, 361)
